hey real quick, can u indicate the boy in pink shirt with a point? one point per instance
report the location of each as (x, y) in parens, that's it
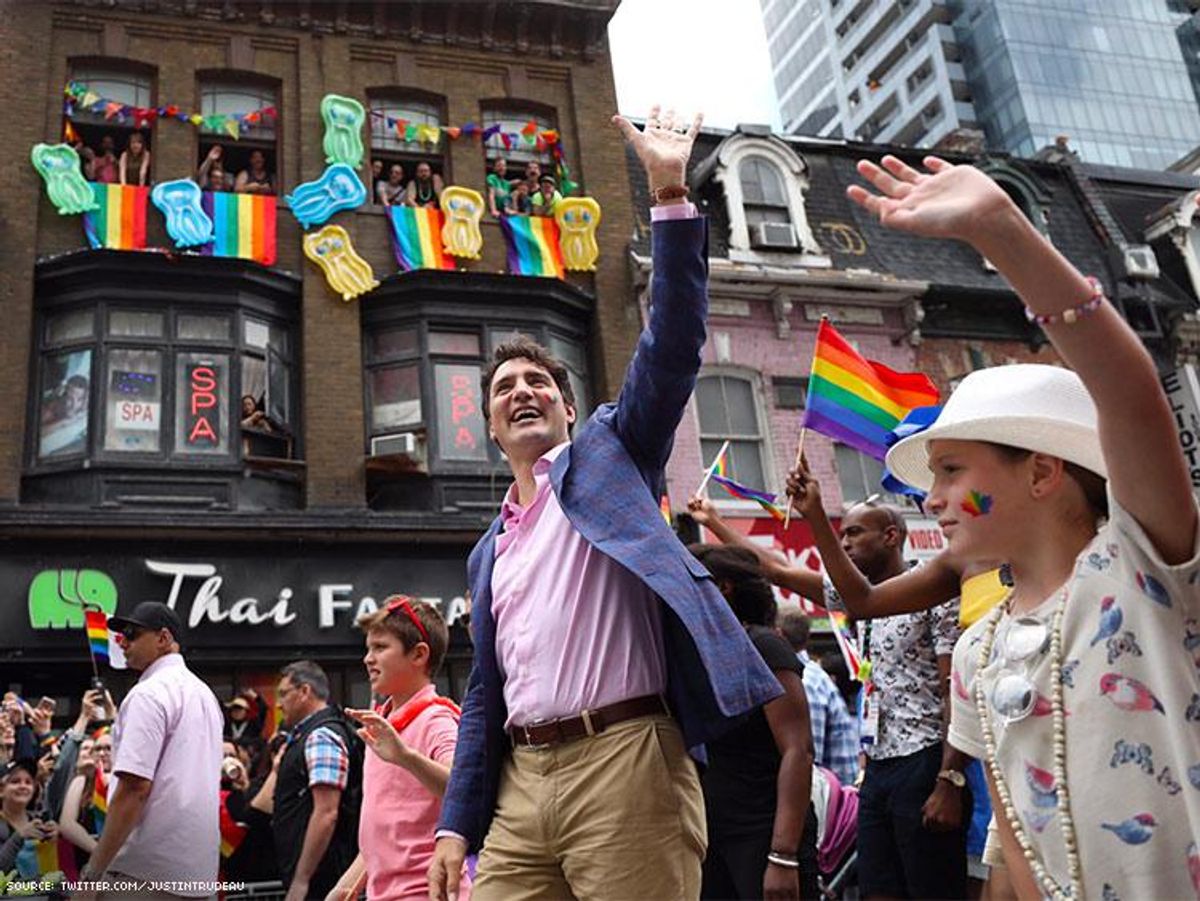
(412, 736)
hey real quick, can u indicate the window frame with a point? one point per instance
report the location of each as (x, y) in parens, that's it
(489, 332)
(518, 112)
(793, 169)
(755, 382)
(171, 350)
(239, 81)
(408, 156)
(90, 127)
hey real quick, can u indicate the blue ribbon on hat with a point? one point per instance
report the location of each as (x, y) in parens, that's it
(917, 421)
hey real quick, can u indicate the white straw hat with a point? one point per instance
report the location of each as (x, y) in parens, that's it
(1038, 408)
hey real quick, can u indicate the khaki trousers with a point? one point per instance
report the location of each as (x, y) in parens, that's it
(615, 817)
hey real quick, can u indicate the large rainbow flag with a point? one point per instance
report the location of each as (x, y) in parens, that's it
(532, 245)
(120, 221)
(762, 498)
(417, 238)
(96, 624)
(858, 401)
(243, 226)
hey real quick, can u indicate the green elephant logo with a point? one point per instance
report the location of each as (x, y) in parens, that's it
(57, 596)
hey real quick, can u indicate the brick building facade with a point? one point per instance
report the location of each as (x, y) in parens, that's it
(269, 548)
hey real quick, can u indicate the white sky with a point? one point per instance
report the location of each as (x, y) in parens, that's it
(705, 56)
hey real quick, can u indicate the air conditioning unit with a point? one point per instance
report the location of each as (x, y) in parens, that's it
(1140, 262)
(399, 443)
(775, 235)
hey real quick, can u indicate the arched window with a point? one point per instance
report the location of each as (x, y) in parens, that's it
(764, 181)
(223, 94)
(764, 197)
(513, 117)
(728, 411)
(115, 81)
(394, 116)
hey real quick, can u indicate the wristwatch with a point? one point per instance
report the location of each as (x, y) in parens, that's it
(954, 777)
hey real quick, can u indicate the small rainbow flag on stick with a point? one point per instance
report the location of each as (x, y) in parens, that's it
(762, 498)
(120, 221)
(718, 467)
(858, 401)
(859, 668)
(243, 226)
(417, 238)
(97, 632)
(532, 245)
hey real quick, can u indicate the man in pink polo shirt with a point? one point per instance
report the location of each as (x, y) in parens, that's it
(412, 735)
(164, 799)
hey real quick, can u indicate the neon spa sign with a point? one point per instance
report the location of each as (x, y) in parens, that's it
(334, 600)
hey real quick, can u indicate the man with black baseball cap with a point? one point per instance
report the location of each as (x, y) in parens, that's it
(163, 807)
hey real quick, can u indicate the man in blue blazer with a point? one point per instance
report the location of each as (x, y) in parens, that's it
(603, 649)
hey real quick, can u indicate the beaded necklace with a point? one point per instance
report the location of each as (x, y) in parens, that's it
(1066, 824)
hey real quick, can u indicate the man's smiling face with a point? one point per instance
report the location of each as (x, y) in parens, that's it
(527, 413)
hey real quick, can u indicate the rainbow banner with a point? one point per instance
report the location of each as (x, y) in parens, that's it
(96, 624)
(858, 401)
(120, 221)
(532, 245)
(417, 238)
(762, 498)
(243, 226)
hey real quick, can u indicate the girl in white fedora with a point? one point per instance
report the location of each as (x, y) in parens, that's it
(1081, 690)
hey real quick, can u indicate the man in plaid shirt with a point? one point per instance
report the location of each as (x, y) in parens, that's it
(834, 732)
(318, 786)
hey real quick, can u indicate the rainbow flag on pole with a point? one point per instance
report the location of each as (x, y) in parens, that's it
(858, 401)
(532, 245)
(243, 226)
(417, 238)
(762, 498)
(119, 223)
(97, 632)
(848, 645)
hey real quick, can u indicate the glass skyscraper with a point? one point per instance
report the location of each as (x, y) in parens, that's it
(1110, 74)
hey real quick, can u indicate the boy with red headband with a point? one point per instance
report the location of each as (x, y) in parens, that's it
(413, 734)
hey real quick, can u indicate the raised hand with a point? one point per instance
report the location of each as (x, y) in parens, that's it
(803, 490)
(948, 201)
(702, 510)
(380, 735)
(663, 146)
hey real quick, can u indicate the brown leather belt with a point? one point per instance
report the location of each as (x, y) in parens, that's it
(549, 733)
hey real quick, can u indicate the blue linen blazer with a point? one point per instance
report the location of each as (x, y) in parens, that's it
(608, 484)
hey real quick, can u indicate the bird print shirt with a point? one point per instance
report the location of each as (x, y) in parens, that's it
(1131, 692)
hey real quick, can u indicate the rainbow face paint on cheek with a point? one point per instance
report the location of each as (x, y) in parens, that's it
(977, 504)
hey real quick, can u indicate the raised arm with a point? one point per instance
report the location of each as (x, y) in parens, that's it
(775, 567)
(663, 371)
(1146, 471)
(916, 589)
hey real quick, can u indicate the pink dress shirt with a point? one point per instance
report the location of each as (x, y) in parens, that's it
(395, 829)
(574, 629)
